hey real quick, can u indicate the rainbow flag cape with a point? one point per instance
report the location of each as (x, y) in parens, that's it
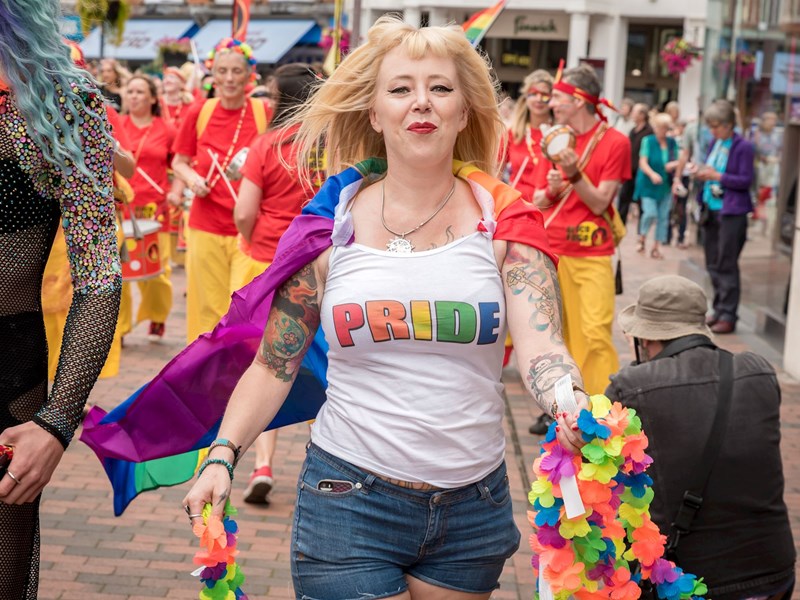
(159, 435)
(478, 24)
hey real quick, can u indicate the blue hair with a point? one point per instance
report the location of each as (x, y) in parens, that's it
(35, 63)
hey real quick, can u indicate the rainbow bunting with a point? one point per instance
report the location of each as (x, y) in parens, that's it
(478, 24)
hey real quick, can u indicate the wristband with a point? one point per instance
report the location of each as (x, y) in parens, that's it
(554, 405)
(215, 461)
(575, 177)
(226, 443)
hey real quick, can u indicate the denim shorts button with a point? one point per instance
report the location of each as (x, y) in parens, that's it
(437, 499)
(358, 486)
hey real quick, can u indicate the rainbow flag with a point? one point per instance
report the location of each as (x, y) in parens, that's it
(478, 24)
(160, 435)
(240, 19)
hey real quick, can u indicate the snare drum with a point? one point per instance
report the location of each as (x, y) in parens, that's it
(145, 256)
(556, 139)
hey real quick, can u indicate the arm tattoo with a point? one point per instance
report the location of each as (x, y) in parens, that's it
(293, 320)
(544, 371)
(536, 276)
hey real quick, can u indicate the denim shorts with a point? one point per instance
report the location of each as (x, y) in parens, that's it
(360, 543)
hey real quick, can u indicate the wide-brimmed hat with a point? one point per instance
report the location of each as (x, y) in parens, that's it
(668, 307)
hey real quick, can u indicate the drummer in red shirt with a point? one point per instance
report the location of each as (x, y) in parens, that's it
(151, 138)
(576, 201)
(219, 127)
(524, 150)
(271, 196)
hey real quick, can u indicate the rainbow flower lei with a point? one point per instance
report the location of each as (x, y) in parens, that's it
(233, 45)
(221, 576)
(589, 557)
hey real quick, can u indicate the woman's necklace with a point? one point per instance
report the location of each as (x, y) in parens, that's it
(224, 164)
(399, 244)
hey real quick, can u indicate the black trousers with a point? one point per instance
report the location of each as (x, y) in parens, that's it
(625, 198)
(724, 239)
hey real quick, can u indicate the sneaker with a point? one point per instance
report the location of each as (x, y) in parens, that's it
(542, 425)
(156, 332)
(259, 487)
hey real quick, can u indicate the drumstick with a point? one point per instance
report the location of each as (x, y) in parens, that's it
(227, 181)
(149, 180)
(519, 173)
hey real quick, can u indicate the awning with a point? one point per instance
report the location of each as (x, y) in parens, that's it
(140, 40)
(270, 39)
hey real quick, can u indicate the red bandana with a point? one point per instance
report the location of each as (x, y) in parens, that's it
(568, 88)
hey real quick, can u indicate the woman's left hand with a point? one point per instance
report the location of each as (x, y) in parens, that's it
(567, 431)
(36, 455)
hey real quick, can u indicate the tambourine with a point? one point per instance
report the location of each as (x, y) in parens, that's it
(556, 139)
(234, 169)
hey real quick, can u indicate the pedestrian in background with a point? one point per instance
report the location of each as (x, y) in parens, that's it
(658, 158)
(524, 149)
(641, 129)
(726, 177)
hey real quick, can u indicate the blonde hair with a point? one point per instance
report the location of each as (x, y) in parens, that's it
(661, 120)
(519, 121)
(336, 117)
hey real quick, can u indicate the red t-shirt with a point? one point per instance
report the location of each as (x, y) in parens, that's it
(575, 230)
(174, 114)
(151, 149)
(214, 213)
(283, 196)
(537, 165)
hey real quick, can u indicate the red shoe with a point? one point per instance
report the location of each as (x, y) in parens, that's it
(156, 332)
(259, 487)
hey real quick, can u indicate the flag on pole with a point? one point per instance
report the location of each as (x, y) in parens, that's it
(478, 24)
(240, 19)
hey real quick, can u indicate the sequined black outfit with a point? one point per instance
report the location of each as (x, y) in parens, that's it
(33, 197)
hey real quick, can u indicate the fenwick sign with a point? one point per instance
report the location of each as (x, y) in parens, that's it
(532, 26)
(521, 25)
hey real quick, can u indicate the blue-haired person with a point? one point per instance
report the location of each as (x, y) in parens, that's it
(55, 167)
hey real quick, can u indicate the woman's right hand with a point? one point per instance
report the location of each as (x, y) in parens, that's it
(656, 179)
(212, 487)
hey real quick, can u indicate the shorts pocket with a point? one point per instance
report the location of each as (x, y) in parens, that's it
(317, 470)
(497, 493)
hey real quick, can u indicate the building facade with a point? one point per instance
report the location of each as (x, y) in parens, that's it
(621, 38)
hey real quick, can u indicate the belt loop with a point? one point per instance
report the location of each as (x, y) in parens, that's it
(368, 482)
(483, 490)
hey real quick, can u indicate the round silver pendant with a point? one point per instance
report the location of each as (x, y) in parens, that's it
(400, 245)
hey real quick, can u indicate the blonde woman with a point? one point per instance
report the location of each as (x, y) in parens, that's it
(531, 113)
(658, 159)
(404, 492)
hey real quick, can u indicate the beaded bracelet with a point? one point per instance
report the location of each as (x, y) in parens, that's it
(216, 461)
(226, 443)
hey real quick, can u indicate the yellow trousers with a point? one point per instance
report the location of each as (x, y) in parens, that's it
(156, 293)
(215, 268)
(587, 290)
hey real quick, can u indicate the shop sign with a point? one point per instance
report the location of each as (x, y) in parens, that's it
(786, 74)
(530, 25)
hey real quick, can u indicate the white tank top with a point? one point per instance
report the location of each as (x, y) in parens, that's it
(416, 345)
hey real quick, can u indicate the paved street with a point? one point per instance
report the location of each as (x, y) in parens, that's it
(88, 554)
